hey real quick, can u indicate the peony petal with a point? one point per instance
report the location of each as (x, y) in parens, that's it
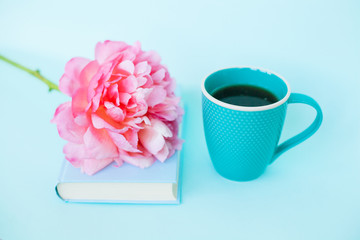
(146, 120)
(82, 120)
(151, 57)
(142, 68)
(121, 142)
(176, 143)
(116, 114)
(75, 161)
(99, 144)
(100, 123)
(140, 110)
(129, 54)
(128, 84)
(70, 80)
(141, 81)
(92, 166)
(76, 155)
(159, 75)
(149, 83)
(168, 110)
(136, 47)
(79, 102)
(88, 73)
(152, 140)
(95, 102)
(138, 160)
(75, 152)
(131, 105)
(170, 87)
(137, 103)
(97, 86)
(157, 95)
(108, 50)
(119, 162)
(126, 67)
(113, 94)
(109, 105)
(66, 125)
(132, 137)
(163, 154)
(124, 98)
(134, 122)
(161, 128)
(168, 115)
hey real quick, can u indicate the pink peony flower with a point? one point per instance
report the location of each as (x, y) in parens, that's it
(123, 109)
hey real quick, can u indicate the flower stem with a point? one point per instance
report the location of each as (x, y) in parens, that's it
(36, 73)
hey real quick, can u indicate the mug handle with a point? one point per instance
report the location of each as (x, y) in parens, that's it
(292, 142)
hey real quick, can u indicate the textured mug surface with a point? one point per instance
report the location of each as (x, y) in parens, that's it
(243, 141)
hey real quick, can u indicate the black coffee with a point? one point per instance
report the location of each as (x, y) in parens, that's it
(245, 95)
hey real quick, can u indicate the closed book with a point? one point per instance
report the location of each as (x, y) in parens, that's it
(158, 183)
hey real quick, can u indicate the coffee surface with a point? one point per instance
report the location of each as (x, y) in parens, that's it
(245, 95)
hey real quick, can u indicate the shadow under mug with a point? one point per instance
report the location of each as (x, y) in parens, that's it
(243, 141)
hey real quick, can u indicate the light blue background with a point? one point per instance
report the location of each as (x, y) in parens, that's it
(310, 192)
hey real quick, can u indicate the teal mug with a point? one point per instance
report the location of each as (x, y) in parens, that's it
(243, 141)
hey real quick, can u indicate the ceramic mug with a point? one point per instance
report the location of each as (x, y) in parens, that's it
(243, 141)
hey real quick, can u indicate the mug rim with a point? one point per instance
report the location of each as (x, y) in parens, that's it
(243, 108)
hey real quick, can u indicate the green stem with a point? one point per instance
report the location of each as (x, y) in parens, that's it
(36, 73)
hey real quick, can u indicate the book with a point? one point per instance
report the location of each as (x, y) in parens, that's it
(158, 184)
